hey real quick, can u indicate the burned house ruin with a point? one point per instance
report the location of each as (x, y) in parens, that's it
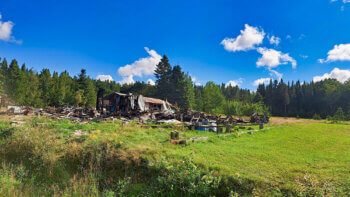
(130, 104)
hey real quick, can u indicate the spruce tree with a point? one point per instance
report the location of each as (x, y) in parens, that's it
(33, 91)
(188, 93)
(212, 98)
(163, 75)
(45, 85)
(339, 115)
(16, 83)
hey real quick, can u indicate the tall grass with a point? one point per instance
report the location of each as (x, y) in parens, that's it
(42, 158)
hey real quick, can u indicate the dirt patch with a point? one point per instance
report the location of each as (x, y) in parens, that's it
(281, 120)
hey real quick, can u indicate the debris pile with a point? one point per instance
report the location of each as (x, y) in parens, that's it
(259, 119)
(137, 107)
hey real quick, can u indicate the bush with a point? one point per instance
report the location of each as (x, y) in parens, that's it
(185, 179)
(237, 108)
(338, 116)
(316, 117)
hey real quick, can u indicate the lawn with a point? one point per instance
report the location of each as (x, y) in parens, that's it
(289, 156)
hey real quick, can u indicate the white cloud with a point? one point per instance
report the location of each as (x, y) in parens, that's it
(195, 82)
(262, 81)
(338, 53)
(272, 58)
(194, 79)
(277, 74)
(340, 75)
(143, 66)
(104, 78)
(249, 38)
(304, 56)
(151, 82)
(234, 83)
(6, 30)
(274, 40)
(344, 1)
(127, 80)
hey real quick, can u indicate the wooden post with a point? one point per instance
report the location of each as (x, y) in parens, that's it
(174, 135)
(193, 127)
(228, 128)
(218, 129)
(261, 126)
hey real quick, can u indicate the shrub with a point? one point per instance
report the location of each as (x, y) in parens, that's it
(339, 115)
(185, 179)
(316, 117)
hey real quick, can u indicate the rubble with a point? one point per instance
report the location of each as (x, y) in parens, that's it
(259, 119)
(15, 109)
(127, 107)
(17, 123)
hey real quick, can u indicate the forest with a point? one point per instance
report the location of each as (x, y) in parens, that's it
(25, 86)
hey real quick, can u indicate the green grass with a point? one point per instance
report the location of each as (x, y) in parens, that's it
(280, 154)
(298, 159)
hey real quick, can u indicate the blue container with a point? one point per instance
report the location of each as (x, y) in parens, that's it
(199, 128)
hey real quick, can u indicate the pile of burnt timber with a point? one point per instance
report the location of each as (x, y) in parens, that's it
(134, 106)
(72, 113)
(137, 107)
(198, 117)
(259, 119)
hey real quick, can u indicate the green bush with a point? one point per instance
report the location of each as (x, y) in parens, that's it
(236, 108)
(316, 117)
(185, 179)
(339, 115)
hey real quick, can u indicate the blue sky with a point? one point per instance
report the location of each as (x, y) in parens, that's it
(103, 36)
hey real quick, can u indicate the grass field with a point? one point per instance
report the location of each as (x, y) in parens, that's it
(290, 157)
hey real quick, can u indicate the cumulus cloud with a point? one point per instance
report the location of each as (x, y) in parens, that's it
(275, 73)
(274, 40)
(195, 82)
(143, 66)
(234, 83)
(104, 78)
(127, 80)
(6, 31)
(272, 58)
(338, 53)
(340, 75)
(344, 1)
(194, 79)
(151, 82)
(262, 81)
(249, 38)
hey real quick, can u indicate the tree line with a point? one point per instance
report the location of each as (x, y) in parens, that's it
(24, 86)
(307, 100)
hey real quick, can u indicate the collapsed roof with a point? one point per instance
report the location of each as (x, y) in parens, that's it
(128, 103)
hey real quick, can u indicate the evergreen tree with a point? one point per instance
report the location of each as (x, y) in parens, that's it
(90, 94)
(16, 83)
(4, 75)
(33, 91)
(56, 98)
(258, 98)
(188, 94)
(339, 115)
(45, 85)
(212, 98)
(163, 75)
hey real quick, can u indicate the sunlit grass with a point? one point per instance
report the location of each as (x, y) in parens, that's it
(276, 158)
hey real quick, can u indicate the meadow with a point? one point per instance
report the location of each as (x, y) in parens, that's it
(290, 157)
